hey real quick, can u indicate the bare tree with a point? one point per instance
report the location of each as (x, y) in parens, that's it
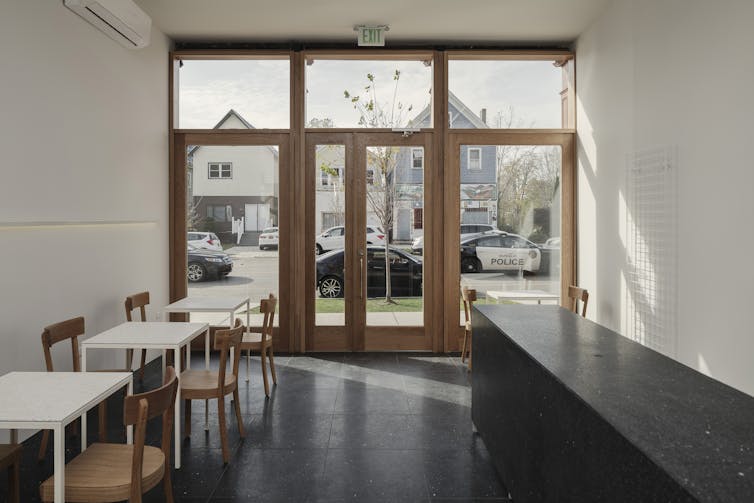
(382, 160)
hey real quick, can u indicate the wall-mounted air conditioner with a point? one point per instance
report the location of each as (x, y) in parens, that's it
(121, 20)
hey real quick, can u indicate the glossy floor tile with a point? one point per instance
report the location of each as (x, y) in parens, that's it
(361, 427)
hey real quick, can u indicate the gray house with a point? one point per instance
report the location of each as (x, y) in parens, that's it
(478, 176)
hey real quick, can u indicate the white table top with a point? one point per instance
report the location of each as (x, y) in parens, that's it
(522, 295)
(35, 399)
(206, 304)
(147, 335)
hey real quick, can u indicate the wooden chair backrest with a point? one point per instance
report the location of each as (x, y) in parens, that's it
(225, 340)
(138, 300)
(577, 294)
(267, 306)
(137, 410)
(64, 330)
(469, 297)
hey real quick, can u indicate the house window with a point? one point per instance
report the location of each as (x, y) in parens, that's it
(418, 218)
(331, 176)
(220, 170)
(417, 158)
(475, 159)
(370, 177)
(220, 213)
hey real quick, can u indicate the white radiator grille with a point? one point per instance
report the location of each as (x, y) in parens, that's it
(651, 297)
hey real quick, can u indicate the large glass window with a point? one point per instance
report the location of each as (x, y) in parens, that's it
(506, 94)
(330, 235)
(232, 241)
(511, 223)
(393, 200)
(368, 93)
(234, 94)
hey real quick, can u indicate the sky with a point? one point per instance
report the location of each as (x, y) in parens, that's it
(259, 90)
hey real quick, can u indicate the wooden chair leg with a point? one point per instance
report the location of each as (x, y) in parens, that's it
(143, 363)
(102, 422)
(14, 482)
(263, 357)
(43, 445)
(463, 348)
(248, 364)
(272, 366)
(187, 419)
(223, 428)
(167, 483)
(237, 406)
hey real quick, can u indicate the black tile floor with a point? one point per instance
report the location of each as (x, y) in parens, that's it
(357, 427)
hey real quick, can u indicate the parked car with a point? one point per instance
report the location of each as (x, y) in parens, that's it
(499, 251)
(552, 244)
(206, 264)
(206, 240)
(417, 247)
(405, 273)
(334, 238)
(268, 238)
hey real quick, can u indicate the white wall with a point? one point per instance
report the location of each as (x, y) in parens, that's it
(83, 137)
(675, 73)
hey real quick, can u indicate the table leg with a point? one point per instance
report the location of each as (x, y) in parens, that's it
(164, 363)
(206, 349)
(14, 436)
(177, 413)
(130, 428)
(206, 366)
(59, 461)
(83, 432)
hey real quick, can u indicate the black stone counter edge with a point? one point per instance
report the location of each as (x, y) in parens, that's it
(546, 443)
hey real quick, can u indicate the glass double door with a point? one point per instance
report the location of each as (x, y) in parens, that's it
(368, 283)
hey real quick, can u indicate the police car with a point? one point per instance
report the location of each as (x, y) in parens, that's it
(499, 251)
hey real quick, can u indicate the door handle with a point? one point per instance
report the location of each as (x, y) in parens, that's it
(361, 277)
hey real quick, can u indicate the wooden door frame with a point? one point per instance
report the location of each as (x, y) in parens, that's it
(283, 335)
(348, 337)
(325, 337)
(393, 338)
(452, 202)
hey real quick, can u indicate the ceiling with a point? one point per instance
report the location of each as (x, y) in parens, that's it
(458, 22)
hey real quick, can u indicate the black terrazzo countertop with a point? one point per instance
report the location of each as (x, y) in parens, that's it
(697, 429)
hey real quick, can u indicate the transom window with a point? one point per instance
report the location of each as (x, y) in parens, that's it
(475, 159)
(220, 170)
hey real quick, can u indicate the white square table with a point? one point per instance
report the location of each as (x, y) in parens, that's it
(51, 400)
(228, 305)
(149, 335)
(538, 295)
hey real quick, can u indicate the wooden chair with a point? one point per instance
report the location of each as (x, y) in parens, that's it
(137, 301)
(469, 297)
(262, 342)
(10, 459)
(58, 332)
(576, 294)
(210, 384)
(117, 472)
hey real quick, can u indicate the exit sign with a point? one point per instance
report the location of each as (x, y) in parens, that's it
(371, 36)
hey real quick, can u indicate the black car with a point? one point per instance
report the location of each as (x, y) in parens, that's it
(405, 273)
(204, 264)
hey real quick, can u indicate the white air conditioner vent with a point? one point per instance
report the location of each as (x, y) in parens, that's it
(121, 20)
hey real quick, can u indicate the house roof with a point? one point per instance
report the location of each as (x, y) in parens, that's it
(455, 102)
(231, 113)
